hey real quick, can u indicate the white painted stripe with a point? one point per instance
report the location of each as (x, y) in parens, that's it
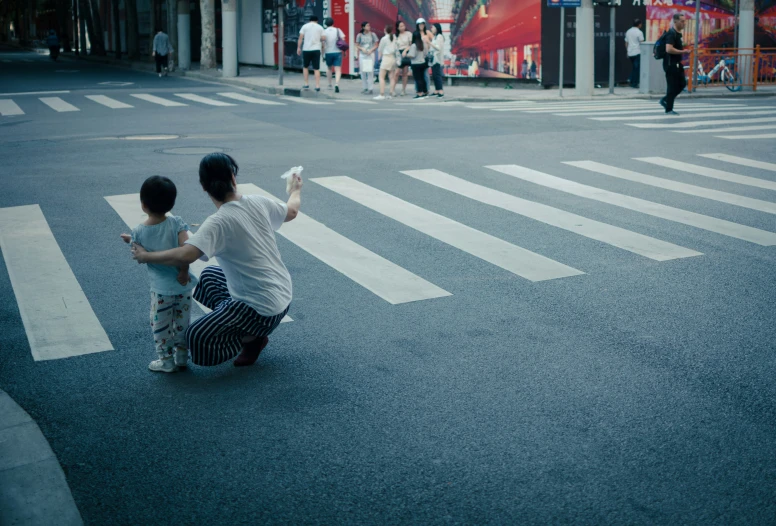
(681, 116)
(57, 104)
(9, 107)
(157, 100)
(743, 161)
(698, 191)
(6, 61)
(674, 125)
(252, 100)
(712, 224)
(57, 317)
(305, 101)
(203, 100)
(709, 172)
(609, 234)
(107, 101)
(761, 136)
(353, 101)
(387, 280)
(58, 92)
(580, 110)
(731, 129)
(517, 260)
(658, 111)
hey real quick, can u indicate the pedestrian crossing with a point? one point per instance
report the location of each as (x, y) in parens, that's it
(60, 322)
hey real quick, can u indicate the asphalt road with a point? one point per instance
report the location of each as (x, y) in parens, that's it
(639, 391)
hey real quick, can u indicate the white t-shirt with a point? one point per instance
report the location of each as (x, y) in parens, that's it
(388, 47)
(332, 34)
(241, 234)
(634, 37)
(312, 32)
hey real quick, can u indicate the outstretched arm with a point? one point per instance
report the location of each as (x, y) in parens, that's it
(175, 257)
(294, 198)
(183, 271)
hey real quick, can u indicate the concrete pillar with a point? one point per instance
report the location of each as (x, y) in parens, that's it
(82, 29)
(584, 79)
(229, 38)
(184, 35)
(746, 40)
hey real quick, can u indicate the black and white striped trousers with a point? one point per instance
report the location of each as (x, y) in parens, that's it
(217, 336)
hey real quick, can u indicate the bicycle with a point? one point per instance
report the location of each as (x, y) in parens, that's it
(727, 73)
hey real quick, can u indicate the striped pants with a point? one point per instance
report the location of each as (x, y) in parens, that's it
(217, 336)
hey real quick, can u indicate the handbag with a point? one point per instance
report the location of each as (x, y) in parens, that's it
(367, 64)
(341, 44)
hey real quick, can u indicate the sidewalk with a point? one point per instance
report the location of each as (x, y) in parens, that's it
(33, 488)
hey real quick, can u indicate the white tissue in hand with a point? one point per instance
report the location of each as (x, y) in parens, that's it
(287, 176)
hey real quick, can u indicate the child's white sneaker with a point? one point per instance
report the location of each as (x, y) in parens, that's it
(181, 358)
(166, 365)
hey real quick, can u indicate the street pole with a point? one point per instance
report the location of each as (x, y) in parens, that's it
(611, 47)
(562, 32)
(735, 25)
(75, 25)
(281, 42)
(695, 47)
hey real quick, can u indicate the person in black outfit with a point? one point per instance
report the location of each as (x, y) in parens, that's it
(672, 64)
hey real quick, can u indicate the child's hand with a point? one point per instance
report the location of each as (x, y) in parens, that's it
(127, 238)
(183, 276)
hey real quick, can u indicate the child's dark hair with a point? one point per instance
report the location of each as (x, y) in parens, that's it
(215, 174)
(158, 194)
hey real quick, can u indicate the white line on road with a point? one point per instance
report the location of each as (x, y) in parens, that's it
(252, 100)
(712, 224)
(657, 125)
(512, 258)
(743, 161)
(760, 136)
(385, 279)
(354, 101)
(682, 116)
(203, 100)
(732, 129)
(9, 107)
(709, 172)
(57, 104)
(157, 100)
(658, 182)
(305, 101)
(107, 101)
(57, 317)
(580, 110)
(651, 110)
(59, 92)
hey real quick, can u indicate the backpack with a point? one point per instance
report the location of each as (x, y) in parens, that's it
(659, 50)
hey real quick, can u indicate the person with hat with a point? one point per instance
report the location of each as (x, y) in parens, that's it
(428, 37)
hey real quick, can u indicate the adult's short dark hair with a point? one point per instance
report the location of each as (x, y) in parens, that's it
(636, 22)
(678, 16)
(158, 194)
(329, 22)
(215, 174)
(313, 18)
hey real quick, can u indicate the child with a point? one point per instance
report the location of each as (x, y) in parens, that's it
(170, 286)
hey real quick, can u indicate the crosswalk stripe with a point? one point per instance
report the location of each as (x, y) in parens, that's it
(709, 172)
(512, 258)
(383, 278)
(743, 161)
(109, 102)
(57, 317)
(157, 100)
(9, 107)
(691, 124)
(252, 100)
(353, 101)
(203, 100)
(698, 191)
(572, 110)
(712, 224)
(57, 104)
(674, 117)
(6, 61)
(731, 129)
(609, 234)
(753, 136)
(651, 110)
(306, 101)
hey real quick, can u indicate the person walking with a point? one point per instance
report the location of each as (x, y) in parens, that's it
(52, 41)
(250, 292)
(333, 54)
(672, 64)
(387, 51)
(417, 54)
(311, 40)
(366, 43)
(633, 39)
(162, 47)
(403, 42)
(533, 69)
(438, 52)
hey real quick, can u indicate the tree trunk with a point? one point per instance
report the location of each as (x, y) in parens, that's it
(98, 42)
(172, 23)
(133, 49)
(152, 23)
(63, 16)
(116, 28)
(86, 14)
(207, 59)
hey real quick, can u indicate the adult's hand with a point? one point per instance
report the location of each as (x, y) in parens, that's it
(138, 253)
(296, 184)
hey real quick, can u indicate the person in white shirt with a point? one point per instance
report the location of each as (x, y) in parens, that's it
(250, 292)
(633, 39)
(333, 53)
(311, 39)
(387, 50)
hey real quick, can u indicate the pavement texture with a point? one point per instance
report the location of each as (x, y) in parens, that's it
(639, 392)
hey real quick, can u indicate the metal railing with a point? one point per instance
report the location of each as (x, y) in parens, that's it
(734, 68)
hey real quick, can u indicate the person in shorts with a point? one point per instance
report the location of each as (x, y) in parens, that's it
(388, 49)
(333, 54)
(311, 39)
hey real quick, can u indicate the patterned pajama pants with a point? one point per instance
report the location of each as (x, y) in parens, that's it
(169, 321)
(217, 336)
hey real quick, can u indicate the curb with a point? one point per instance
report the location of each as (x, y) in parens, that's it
(33, 488)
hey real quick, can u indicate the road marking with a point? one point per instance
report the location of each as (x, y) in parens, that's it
(589, 108)
(20, 93)
(157, 100)
(761, 136)
(6, 61)
(682, 116)
(57, 317)
(383, 278)
(733, 129)
(9, 107)
(649, 111)
(252, 100)
(698, 191)
(743, 161)
(655, 125)
(354, 101)
(712, 224)
(107, 101)
(57, 104)
(709, 172)
(305, 101)
(517, 260)
(203, 100)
